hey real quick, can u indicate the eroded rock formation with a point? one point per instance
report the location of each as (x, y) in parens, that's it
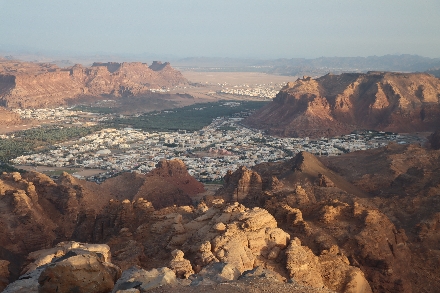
(38, 212)
(68, 267)
(375, 210)
(361, 222)
(338, 104)
(38, 85)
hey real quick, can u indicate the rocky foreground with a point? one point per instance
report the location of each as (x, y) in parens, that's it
(363, 222)
(334, 105)
(41, 85)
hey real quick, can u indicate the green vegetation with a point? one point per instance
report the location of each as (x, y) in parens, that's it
(58, 172)
(190, 118)
(9, 168)
(39, 138)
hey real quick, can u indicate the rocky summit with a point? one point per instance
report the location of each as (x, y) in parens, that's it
(338, 104)
(361, 222)
(40, 85)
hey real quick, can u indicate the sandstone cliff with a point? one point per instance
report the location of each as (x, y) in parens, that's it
(378, 207)
(38, 211)
(223, 243)
(37, 85)
(354, 223)
(338, 104)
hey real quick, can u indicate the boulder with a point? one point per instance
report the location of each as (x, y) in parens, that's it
(45, 256)
(142, 280)
(331, 270)
(86, 273)
(27, 283)
(215, 273)
(260, 272)
(180, 266)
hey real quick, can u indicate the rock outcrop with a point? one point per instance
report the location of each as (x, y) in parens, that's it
(68, 267)
(38, 85)
(84, 273)
(180, 266)
(243, 185)
(330, 270)
(38, 212)
(361, 222)
(240, 239)
(142, 280)
(368, 215)
(338, 104)
(169, 183)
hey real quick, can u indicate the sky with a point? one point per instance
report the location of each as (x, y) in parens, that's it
(223, 28)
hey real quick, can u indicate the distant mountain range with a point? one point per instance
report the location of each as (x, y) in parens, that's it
(314, 67)
(284, 66)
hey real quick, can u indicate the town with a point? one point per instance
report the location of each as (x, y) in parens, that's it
(265, 91)
(209, 153)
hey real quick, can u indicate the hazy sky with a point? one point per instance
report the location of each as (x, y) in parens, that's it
(224, 28)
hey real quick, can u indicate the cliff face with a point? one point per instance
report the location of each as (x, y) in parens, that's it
(368, 218)
(338, 104)
(37, 212)
(378, 206)
(33, 85)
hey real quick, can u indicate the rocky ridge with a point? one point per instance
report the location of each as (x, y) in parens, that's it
(362, 222)
(37, 212)
(377, 207)
(223, 243)
(338, 104)
(39, 85)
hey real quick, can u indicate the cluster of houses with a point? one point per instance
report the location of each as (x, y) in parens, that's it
(58, 114)
(265, 91)
(208, 154)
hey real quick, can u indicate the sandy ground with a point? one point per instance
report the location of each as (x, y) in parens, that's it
(211, 84)
(236, 77)
(27, 124)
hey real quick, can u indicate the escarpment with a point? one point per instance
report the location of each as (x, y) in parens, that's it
(39, 85)
(338, 104)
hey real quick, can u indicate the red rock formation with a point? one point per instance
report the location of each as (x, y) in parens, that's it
(166, 185)
(242, 185)
(378, 208)
(33, 85)
(175, 173)
(38, 212)
(347, 223)
(338, 104)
